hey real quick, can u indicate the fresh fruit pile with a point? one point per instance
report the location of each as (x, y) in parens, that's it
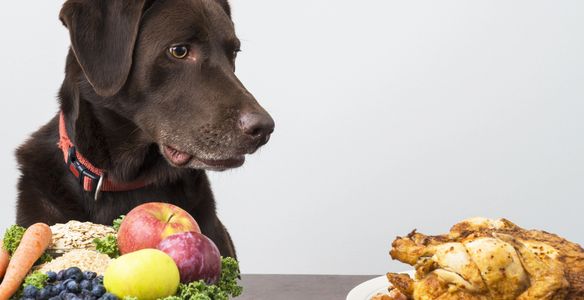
(165, 255)
(159, 253)
(175, 232)
(70, 284)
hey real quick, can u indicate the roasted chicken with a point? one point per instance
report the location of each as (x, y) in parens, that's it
(483, 259)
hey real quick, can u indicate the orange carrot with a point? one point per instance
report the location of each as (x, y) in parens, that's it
(4, 259)
(35, 241)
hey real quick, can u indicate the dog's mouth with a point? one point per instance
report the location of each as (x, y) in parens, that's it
(183, 159)
(177, 157)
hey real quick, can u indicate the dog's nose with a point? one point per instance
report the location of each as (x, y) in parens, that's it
(257, 125)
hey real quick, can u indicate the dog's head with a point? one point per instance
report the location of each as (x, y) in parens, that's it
(168, 66)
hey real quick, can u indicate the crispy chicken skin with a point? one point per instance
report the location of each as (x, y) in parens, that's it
(483, 259)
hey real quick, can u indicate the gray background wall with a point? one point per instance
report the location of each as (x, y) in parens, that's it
(391, 115)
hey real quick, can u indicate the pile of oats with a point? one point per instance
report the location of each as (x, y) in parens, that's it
(77, 235)
(86, 260)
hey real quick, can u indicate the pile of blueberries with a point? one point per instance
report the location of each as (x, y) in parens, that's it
(70, 284)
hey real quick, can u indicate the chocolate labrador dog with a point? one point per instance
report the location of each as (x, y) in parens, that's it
(149, 102)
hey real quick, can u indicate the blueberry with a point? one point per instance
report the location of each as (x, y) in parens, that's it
(30, 291)
(28, 298)
(55, 291)
(44, 293)
(62, 294)
(95, 282)
(98, 290)
(77, 277)
(61, 275)
(108, 296)
(69, 296)
(73, 271)
(89, 275)
(72, 286)
(65, 283)
(85, 285)
(86, 295)
(59, 287)
(55, 298)
(52, 276)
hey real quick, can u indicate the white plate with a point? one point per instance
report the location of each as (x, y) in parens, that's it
(370, 288)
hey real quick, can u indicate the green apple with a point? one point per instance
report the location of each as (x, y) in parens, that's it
(147, 274)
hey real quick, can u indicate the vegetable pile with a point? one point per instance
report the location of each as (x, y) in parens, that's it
(158, 253)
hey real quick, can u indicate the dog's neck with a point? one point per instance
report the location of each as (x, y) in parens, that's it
(108, 140)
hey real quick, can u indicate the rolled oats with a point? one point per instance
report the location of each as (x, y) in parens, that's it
(86, 260)
(77, 235)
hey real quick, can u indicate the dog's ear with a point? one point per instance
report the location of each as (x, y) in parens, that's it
(226, 6)
(103, 34)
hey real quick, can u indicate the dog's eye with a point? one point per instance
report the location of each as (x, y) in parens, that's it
(179, 52)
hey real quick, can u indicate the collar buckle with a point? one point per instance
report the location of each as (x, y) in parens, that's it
(82, 172)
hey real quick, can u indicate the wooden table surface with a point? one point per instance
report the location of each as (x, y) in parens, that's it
(298, 287)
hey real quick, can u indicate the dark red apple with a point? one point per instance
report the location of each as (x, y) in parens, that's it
(196, 256)
(148, 224)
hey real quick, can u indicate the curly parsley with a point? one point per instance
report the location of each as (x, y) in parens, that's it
(12, 238)
(118, 222)
(108, 245)
(36, 279)
(224, 289)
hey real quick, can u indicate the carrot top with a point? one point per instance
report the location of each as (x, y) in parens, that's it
(12, 238)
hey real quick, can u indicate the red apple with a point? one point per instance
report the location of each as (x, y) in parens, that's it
(148, 224)
(196, 256)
